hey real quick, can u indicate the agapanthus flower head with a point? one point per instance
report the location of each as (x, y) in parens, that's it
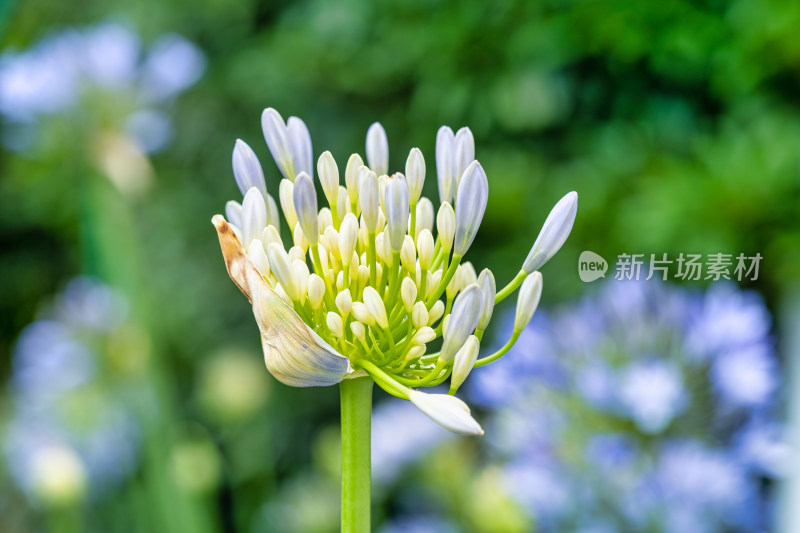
(363, 287)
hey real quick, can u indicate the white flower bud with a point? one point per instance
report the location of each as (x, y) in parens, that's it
(433, 282)
(316, 291)
(455, 284)
(466, 312)
(270, 235)
(447, 411)
(397, 210)
(424, 335)
(335, 324)
(377, 149)
(408, 294)
(254, 216)
(328, 174)
(528, 300)
(408, 254)
(415, 174)
(298, 238)
(464, 361)
(363, 274)
(445, 322)
(473, 194)
(323, 258)
(277, 136)
(358, 330)
(348, 234)
(247, 169)
(300, 146)
(419, 315)
(435, 312)
(415, 352)
(344, 302)
(446, 225)
(362, 314)
(300, 275)
(425, 216)
(324, 220)
(305, 205)
(297, 254)
(330, 240)
(425, 248)
(286, 197)
(376, 308)
(233, 213)
(280, 265)
(488, 292)
(467, 274)
(465, 152)
(554, 232)
(368, 198)
(446, 164)
(354, 165)
(342, 202)
(258, 256)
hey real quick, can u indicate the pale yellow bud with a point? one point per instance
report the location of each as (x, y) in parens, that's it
(351, 177)
(324, 219)
(299, 238)
(362, 314)
(435, 312)
(446, 225)
(344, 302)
(408, 293)
(358, 330)
(348, 233)
(270, 235)
(335, 324)
(419, 315)
(425, 247)
(296, 253)
(316, 291)
(423, 335)
(286, 197)
(408, 254)
(300, 275)
(376, 307)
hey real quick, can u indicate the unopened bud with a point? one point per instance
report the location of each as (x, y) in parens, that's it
(328, 174)
(408, 294)
(446, 164)
(377, 149)
(488, 292)
(375, 305)
(368, 198)
(397, 210)
(466, 311)
(247, 170)
(354, 165)
(254, 215)
(465, 152)
(316, 291)
(344, 302)
(335, 324)
(425, 216)
(436, 312)
(415, 174)
(286, 196)
(473, 194)
(358, 330)
(424, 335)
(554, 232)
(446, 225)
(528, 300)
(408, 254)
(447, 411)
(419, 315)
(464, 361)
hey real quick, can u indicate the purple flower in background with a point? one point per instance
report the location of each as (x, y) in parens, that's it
(664, 400)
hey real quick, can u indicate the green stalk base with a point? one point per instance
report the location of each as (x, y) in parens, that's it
(356, 395)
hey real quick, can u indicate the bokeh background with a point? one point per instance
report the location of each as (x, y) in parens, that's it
(134, 395)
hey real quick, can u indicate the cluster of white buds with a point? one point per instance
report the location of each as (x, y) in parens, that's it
(367, 283)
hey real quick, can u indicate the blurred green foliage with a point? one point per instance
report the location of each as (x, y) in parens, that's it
(677, 122)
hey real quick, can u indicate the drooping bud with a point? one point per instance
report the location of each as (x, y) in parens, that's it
(446, 164)
(446, 226)
(254, 215)
(328, 174)
(473, 194)
(305, 205)
(368, 198)
(447, 411)
(488, 292)
(464, 317)
(415, 174)
(397, 210)
(377, 149)
(376, 308)
(247, 170)
(554, 232)
(528, 300)
(464, 361)
(408, 294)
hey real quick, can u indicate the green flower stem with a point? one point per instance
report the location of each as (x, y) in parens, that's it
(499, 353)
(448, 275)
(511, 287)
(356, 405)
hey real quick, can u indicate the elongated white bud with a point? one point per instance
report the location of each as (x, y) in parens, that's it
(256, 254)
(344, 302)
(342, 202)
(488, 292)
(348, 235)
(447, 411)
(328, 174)
(377, 149)
(270, 235)
(465, 152)
(425, 216)
(286, 196)
(299, 238)
(446, 164)
(408, 294)
(281, 266)
(554, 232)
(324, 220)
(435, 312)
(464, 361)
(466, 312)
(425, 247)
(254, 215)
(358, 330)
(362, 314)
(368, 198)
(419, 315)
(233, 213)
(397, 210)
(277, 136)
(424, 335)
(297, 253)
(335, 324)
(408, 254)
(300, 275)
(467, 274)
(247, 170)
(375, 305)
(415, 174)
(316, 291)
(354, 165)
(300, 146)
(528, 300)
(473, 194)
(446, 226)
(305, 205)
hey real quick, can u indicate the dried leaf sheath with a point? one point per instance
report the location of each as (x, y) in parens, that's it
(294, 354)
